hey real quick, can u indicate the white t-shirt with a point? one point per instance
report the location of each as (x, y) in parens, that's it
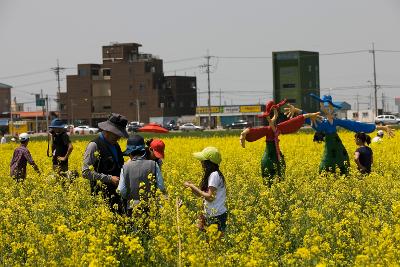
(217, 206)
(376, 139)
(3, 140)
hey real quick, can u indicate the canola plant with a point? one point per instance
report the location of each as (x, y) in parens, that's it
(306, 219)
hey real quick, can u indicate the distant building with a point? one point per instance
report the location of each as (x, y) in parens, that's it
(179, 96)
(362, 115)
(342, 112)
(16, 107)
(127, 82)
(224, 115)
(5, 97)
(296, 75)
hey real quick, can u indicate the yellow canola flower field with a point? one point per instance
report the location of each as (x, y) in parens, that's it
(307, 219)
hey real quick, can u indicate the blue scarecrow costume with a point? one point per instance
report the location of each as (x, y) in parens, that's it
(335, 154)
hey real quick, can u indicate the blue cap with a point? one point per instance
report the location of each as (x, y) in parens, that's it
(57, 123)
(325, 99)
(134, 143)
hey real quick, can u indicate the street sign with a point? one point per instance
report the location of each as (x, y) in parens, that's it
(40, 102)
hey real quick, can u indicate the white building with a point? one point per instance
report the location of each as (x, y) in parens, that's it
(362, 115)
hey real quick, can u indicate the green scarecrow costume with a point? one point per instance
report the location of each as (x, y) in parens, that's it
(273, 162)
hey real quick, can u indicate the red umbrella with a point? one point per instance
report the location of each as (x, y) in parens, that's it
(153, 128)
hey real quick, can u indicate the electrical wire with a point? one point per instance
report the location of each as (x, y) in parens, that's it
(25, 74)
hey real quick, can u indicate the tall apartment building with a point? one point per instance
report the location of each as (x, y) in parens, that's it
(296, 75)
(127, 82)
(5, 97)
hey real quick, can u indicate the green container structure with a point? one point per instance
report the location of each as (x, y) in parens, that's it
(296, 75)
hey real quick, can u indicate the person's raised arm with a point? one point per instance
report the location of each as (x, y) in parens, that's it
(209, 195)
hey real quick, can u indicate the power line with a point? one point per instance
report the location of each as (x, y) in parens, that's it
(182, 60)
(29, 84)
(187, 68)
(24, 74)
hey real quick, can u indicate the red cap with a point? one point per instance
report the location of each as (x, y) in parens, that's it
(271, 105)
(158, 147)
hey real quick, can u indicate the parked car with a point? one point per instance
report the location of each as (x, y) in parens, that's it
(85, 129)
(171, 125)
(133, 126)
(241, 124)
(190, 127)
(387, 120)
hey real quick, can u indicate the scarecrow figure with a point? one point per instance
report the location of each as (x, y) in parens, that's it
(273, 162)
(335, 154)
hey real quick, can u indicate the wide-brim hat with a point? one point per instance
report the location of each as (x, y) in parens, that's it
(134, 143)
(115, 124)
(270, 106)
(209, 153)
(57, 123)
(326, 99)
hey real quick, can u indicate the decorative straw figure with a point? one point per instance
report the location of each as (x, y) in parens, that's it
(335, 154)
(273, 162)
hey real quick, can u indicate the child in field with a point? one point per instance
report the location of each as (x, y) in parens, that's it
(155, 150)
(20, 158)
(212, 189)
(363, 155)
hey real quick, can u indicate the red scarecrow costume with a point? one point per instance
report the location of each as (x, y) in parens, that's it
(273, 162)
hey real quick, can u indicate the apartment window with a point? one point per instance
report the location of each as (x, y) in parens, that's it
(106, 72)
(309, 84)
(172, 104)
(193, 85)
(82, 72)
(355, 115)
(365, 114)
(309, 68)
(289, 85)
(141, 86)
(180, 104)
(130, 87)
(169, 85)
(95, 72)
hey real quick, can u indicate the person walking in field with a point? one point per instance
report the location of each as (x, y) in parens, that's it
(103, 160)
(363, 155)
(20, 158)
(139, 175)
(212, 189)
(61, 146)
(335, 154)
(379, 137)
(3, 139)
(273, 162)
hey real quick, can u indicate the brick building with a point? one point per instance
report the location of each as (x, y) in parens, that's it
(5, 97)
(129, 83)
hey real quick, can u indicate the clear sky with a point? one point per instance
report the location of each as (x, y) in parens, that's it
(35, 33)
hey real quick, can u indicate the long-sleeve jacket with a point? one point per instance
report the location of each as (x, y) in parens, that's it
(286, 127)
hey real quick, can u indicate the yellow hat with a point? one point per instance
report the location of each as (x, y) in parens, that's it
(209, 153)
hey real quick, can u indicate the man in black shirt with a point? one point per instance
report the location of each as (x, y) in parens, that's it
(61, 147)
(103, 160)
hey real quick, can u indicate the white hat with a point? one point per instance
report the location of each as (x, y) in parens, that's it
(23, 137)
(380, 133)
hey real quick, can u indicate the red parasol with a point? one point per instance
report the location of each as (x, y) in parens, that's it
(153, 128)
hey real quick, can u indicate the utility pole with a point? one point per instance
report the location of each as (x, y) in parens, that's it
(358, 108)
(220, 97)
(57, 71)
(41, 96)
(138, 109)
(375, 86)
(383, 103)
(47, 112)
(207, 66)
